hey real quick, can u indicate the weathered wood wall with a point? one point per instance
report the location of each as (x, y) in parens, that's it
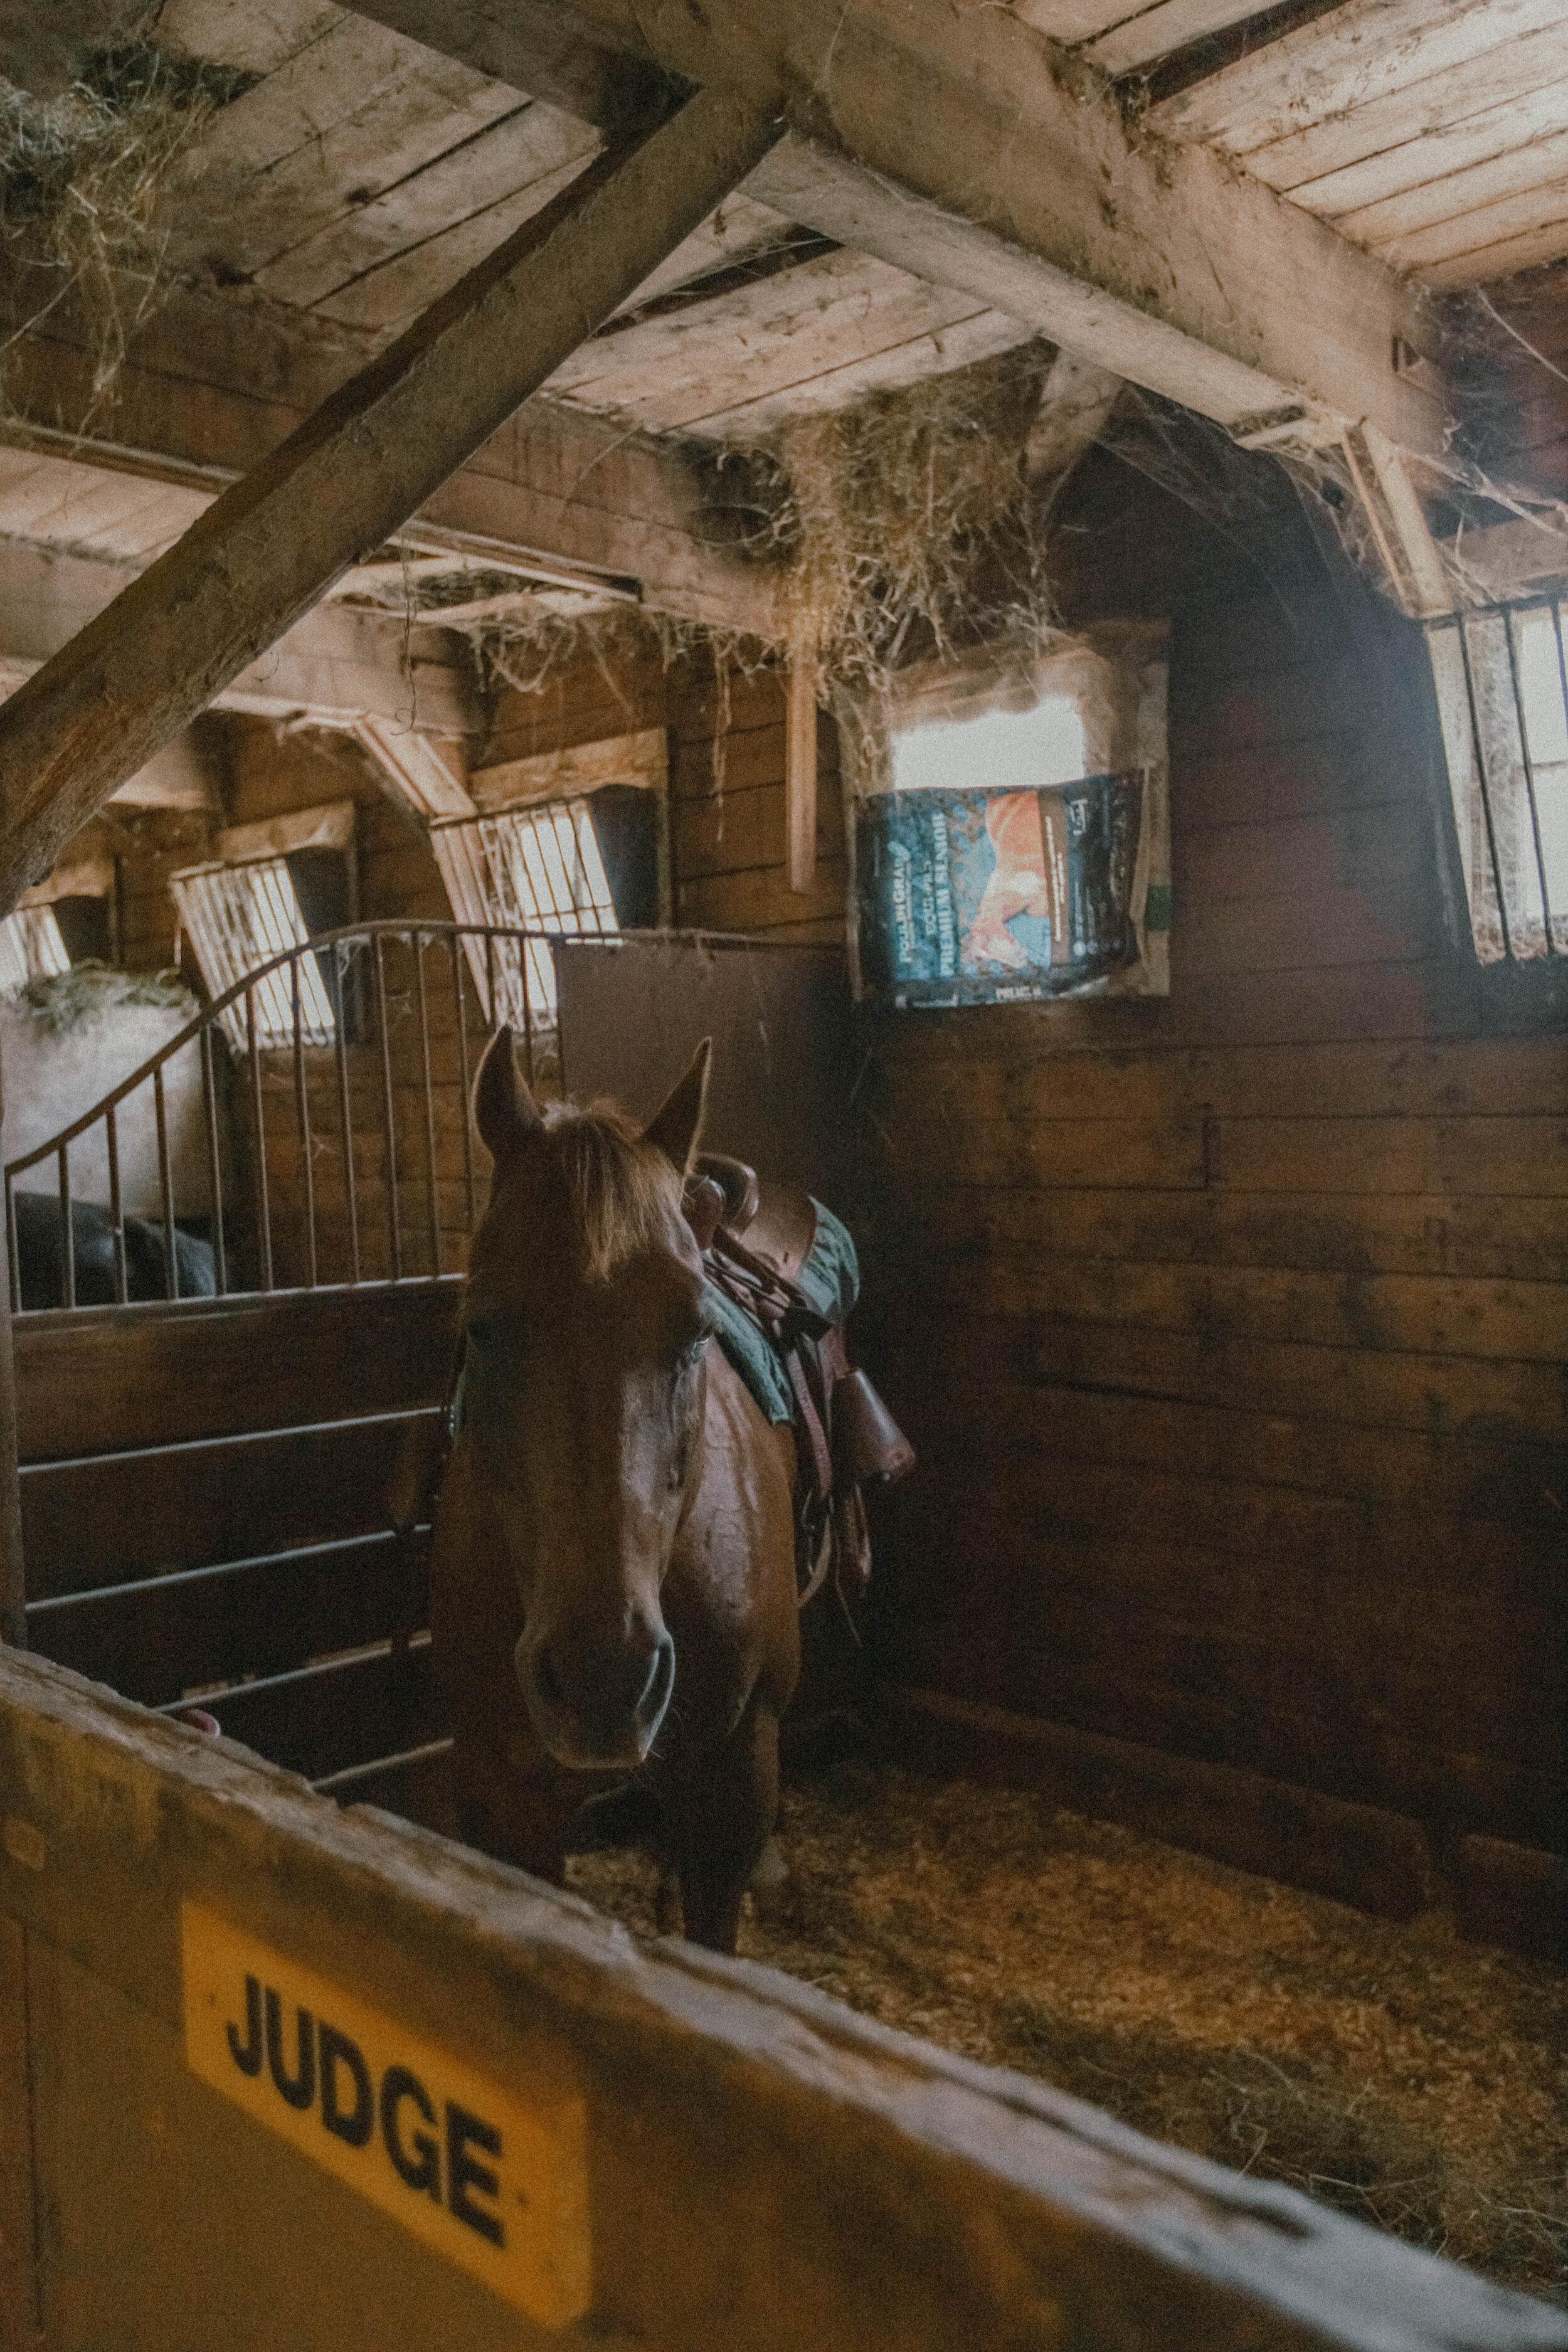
(1230, 1329)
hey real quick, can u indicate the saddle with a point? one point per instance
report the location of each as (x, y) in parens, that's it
(757, 1240)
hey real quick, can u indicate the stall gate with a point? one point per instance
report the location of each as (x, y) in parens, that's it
(204, 1480)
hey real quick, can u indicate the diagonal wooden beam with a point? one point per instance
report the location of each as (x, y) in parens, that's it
(957, 142)
(355, 471)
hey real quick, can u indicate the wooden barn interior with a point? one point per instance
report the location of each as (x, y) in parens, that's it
(563, 501)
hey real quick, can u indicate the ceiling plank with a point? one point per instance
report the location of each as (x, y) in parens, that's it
(279, 202)
(759, 344)
(1436, 152)
(1464, 250)
(258, 38)
(362, 465)
(335, 666)
(43, 49)
(1160, 264)
(1419, 110)
(1406, 225)
(939, 350)
(1548, 241)
(382, 264)
(1170, 25)
(1343, 63)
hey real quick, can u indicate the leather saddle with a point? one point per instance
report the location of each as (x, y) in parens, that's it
(756, 1237)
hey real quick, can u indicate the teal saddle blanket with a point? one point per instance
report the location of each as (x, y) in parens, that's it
(829, 1278)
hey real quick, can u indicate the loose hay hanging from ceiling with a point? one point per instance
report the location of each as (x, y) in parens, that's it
(906, 519)
(903, 522)
(83, 182)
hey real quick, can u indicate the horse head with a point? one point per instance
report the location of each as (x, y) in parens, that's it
(585, 1329)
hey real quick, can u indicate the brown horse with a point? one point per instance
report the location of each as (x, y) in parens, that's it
(613, 1568)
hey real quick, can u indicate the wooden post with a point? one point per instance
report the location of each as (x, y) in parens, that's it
(800, 776)
(13, 1619)
(350, 476)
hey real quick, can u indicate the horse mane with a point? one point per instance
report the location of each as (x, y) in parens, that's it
(622, 1190)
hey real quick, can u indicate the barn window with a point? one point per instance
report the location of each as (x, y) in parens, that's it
(274, 887)
(31, 948)
(1503, 697)
(1011, 833)
(539, 857)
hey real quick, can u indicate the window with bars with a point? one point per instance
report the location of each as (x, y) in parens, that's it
(238, 918)
(1502, 697)
(31, 947)
(581, 868)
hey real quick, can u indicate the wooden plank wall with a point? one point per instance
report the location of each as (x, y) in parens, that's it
(1231, 1329)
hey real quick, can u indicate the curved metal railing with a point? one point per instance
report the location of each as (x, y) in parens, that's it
(481, 975)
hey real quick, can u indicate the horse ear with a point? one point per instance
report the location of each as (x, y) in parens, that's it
(504, 1111)
(678, 1122)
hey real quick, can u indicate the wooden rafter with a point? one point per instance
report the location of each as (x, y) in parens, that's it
(1160, 263)
(358, 469)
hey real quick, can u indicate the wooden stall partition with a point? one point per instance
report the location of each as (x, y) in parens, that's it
(205, 1509)
(289, 2074)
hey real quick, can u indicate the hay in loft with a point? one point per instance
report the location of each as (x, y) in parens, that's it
(905, 521)
(83, 182)
(901, 523)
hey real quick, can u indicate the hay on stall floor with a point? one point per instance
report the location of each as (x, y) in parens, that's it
(1417, 2081)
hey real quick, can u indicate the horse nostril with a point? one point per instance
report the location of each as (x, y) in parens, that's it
(546, 1680)
(661, 1675)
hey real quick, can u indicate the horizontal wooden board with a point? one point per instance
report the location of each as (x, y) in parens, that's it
(1318, 1568)
(923, 1071)
(1308, 151)
(1445, 172)
(1298, 930)
(1367, 1763)
(1311, 701)
(1409, 1475)
(760, 898)
(1439, 1396)
(112, 1516)
(1373, 852)
(1426, 1316)
(744, 831)
(106, 1378)
(1499, 1238)
(153, 1642)
(1519, 1155)
(712, 2090)
(1272, 783)
(1343, 64)
(1111, 1152)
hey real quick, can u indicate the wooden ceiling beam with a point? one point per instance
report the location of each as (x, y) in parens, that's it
(335, 666)
(358, 469)
(1158, 262)
(567, 497)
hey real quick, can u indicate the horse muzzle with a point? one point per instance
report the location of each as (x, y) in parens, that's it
(597, 1706)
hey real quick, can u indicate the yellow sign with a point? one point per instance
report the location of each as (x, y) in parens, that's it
(486, 2181)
